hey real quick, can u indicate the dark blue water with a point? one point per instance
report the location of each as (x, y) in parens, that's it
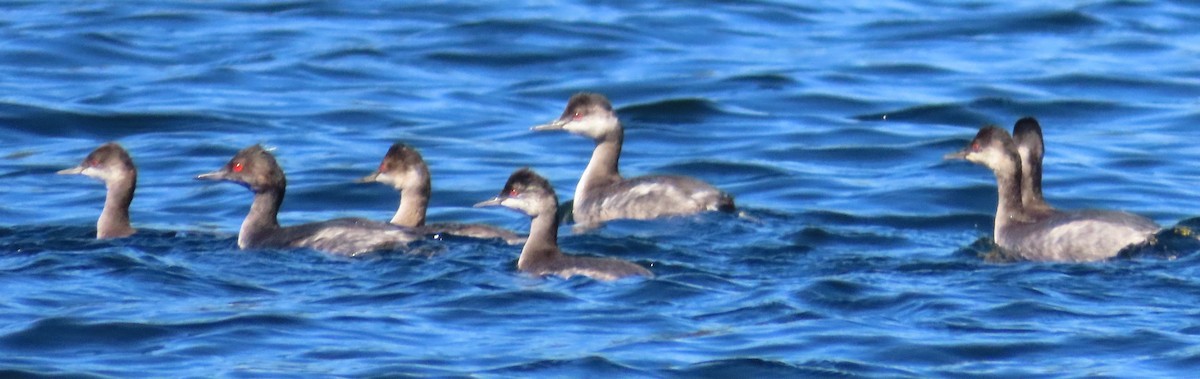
(860, 255)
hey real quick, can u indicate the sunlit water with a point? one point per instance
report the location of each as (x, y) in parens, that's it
(859, 253)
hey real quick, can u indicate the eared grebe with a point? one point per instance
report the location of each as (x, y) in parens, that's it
(111, 164)
(602, 194)
(405, 170)
(1048, 235)
(1027, 134)
(256, 169)
(531, 194)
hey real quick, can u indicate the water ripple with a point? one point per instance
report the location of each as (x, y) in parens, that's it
(857, 250)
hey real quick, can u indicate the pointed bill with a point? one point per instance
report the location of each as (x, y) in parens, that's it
(958, 155)
(372, 178)
(215, 175)
(77, 170)
(553, 125)
(495, 201)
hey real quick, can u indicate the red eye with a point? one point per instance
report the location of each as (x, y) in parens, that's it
(237, 167)
(513, 192)
(383, 167)
(93, 163)
(975, 146)
(578, 115)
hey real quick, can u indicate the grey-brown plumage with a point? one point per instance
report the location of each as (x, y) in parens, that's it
(602, 194)
(256, 168)
(405, 170)
(111, 164)
(532, 194)
(1027, 134)
(1048, 234)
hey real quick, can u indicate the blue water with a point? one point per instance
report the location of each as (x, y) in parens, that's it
(860, 254)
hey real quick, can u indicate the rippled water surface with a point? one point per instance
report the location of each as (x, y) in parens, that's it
(859, 253)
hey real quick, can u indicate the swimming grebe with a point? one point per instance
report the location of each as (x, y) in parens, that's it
(602, 194)
(405, 170)
(111, 163)
(531, 194)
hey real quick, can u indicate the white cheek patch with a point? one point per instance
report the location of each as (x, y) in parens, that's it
(990, 158)
(592, 126)
(518, 204)
(579, 126)
(1025, 154)
(412, 179)
(1000, 162)
(97, 173)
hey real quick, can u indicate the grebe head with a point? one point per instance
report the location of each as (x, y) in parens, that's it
(991, 147)
(587, 114)
(253, 167)
(109, 163)
(1027, 134)
(402, 168)
(525, 191)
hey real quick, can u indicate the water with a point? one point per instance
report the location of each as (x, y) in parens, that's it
(860, 255)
